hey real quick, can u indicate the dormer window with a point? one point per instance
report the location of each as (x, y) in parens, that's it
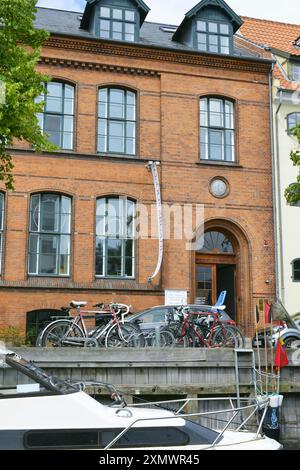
(209, 27)
(117, 23)
(214, 37)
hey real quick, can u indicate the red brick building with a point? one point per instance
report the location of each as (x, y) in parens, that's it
(125, 92)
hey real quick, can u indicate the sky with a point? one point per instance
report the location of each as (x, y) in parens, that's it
(172, 11)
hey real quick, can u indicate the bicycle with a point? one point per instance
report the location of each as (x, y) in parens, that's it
(210, 332)
(160, 337)
(112, 332)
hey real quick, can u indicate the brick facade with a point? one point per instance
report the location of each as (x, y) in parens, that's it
(168, 85)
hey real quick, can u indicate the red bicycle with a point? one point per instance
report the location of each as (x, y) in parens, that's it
(204, 329)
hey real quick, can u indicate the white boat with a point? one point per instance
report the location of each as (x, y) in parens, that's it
(55, 414)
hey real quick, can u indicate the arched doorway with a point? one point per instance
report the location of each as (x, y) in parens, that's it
(223, 263)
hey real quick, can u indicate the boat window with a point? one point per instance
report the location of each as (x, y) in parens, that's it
(61, 439)
(200, 434)
(146, 437)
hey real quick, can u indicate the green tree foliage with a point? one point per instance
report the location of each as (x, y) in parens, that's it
(20, 83)
(292, 193)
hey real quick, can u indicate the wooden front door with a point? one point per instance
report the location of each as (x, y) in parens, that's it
(206, 280)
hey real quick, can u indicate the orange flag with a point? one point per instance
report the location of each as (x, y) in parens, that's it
(281, 358)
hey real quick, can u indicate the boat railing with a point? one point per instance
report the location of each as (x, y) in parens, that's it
(253, 409)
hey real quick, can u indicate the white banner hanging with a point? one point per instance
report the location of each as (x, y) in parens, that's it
(153, 167)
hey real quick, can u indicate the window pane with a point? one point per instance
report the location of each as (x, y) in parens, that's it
(114, 248)
(105, 12)
(204, 143)
(117, 14)
(114, 216)
(104, 34)
(68, 106)
(129, 262)
(293, 120)
(64, 255)
(99, 257)
(104, 25)
(116, 136)
(216, 113)
(114, 257)
(129, 15)
(129, 37)
(224, 28)
(130, 138)
(48, 254)
(296, 73)
(103, 103)
(117, 26)
(33, 252)
(34, 213)
(213, 40)
(65, 216)
(201, 26)
(203, 112)
(49, 213)
(116, 104)
(216, 145)
(224, 41)
(53, 127)
(229, 119)
(129, 28)
(212, 27)
(69, 92)
(68, 124)
(130, 219)
(201, 41)
(54, 101)
(296, 270)
(114, 267)
(117, 30)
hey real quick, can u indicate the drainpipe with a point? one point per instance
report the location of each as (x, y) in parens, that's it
(280, 288)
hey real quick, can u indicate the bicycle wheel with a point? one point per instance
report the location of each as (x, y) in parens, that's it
(60, 334)
(121, 336)
(224, 337)
(240, 338)
(165, 339)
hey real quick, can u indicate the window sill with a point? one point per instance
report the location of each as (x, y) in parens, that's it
(114, 278)
(218, 163)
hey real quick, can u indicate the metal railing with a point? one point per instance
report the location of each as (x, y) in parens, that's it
(253, 409)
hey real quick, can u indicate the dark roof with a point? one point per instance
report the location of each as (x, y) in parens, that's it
(67, 23)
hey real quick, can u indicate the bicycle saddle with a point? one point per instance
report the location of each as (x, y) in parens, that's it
(76, 304)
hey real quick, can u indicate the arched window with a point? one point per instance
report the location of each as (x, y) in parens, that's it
(216, 242)
(217, 129)
(49, 235)
(296, 270)
(1, 227)
(57, 120)
(117, 121)
(293, 120)
(115, 237)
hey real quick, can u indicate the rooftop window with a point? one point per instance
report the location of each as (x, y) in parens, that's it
(117, 23)
(213, 36)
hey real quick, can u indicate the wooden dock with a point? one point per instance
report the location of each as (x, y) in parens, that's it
(165, 374)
